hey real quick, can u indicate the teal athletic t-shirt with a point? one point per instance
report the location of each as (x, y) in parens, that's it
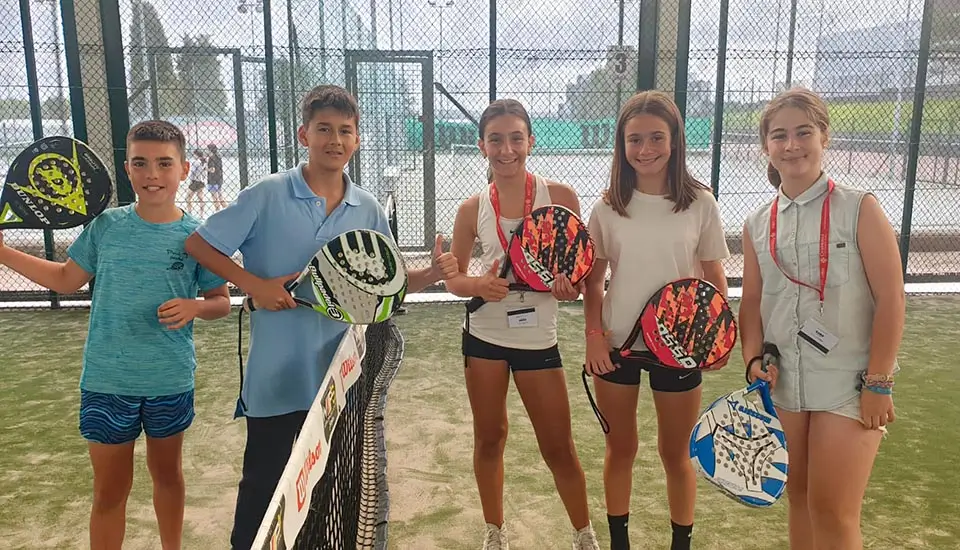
(138, 266)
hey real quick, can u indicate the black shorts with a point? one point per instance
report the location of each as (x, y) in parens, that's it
(517, 359)
(196, 185)
(662, 378)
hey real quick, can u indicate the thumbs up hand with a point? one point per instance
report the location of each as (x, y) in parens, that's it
(443, 264)
(491, 287)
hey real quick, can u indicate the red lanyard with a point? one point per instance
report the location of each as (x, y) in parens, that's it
(527, 206)
(824, 242)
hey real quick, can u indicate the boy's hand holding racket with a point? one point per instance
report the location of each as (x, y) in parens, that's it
(443, 264)
(272, 294)
(598, 355)
(490, 286)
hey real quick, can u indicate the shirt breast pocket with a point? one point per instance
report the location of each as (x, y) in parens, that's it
(774, 281)
(838, 263)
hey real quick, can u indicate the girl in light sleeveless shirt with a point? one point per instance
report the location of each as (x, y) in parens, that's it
(656, 224)
(514, 331)
(822, 281)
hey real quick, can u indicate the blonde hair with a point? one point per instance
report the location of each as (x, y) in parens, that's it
(682, 187)
(798, 98)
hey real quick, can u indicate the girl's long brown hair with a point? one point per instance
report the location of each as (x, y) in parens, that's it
(798, 98)
(682, 187)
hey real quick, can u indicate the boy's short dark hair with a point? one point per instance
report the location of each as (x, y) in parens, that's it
(327, 96)
(160, 131)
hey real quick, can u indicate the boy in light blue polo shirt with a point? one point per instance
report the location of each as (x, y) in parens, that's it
(138, 361)
(278, 225)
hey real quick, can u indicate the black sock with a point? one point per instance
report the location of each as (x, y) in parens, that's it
(619, 540)
(681, 536)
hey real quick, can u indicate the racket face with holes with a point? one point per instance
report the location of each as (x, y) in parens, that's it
(55, 183)
(688, 324)
(359, 277)
(550, 241)
(739, 446)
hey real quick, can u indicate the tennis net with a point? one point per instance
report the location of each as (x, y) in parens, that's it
(333, 491)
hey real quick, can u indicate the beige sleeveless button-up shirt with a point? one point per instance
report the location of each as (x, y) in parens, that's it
(808, 379)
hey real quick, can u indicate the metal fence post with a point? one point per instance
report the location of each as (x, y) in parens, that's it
(916, 124)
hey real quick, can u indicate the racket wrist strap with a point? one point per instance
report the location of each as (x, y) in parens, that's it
(746, 374)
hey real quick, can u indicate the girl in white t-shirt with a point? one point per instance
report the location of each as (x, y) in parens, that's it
(822, 281)
(514, 331)
(655, 224)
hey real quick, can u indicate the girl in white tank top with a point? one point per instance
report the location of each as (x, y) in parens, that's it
(514, 331)
(822, 281)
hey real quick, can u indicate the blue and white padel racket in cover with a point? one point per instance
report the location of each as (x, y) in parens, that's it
(739, 446)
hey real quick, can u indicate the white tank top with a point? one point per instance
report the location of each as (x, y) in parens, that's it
(489, 323)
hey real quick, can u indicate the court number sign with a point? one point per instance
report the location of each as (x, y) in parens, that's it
(619, 61)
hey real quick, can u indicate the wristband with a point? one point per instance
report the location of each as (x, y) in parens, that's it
(746, 373)
(880, 390)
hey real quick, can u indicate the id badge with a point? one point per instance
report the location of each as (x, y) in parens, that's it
(522, 318)
(818, 336)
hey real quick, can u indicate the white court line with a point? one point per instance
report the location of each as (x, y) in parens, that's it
(446, 297)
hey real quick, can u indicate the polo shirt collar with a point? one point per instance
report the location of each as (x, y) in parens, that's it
(302, 191)
(818, 188)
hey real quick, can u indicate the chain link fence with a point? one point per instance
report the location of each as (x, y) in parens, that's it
(231, 73)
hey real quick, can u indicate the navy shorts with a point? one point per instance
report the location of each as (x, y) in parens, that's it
(661, 378)
(517, 359)
(116, 419)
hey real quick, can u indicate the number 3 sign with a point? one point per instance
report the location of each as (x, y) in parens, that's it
(619, 61)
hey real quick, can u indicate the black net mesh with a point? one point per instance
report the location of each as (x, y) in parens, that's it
(350, 502)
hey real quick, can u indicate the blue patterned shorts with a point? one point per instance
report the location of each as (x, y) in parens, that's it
(116, 419)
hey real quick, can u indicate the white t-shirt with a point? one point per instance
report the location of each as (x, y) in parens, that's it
(649, 248)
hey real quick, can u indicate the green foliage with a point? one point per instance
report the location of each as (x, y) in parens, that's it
(146, 34)
(204, 93)
(940, 117)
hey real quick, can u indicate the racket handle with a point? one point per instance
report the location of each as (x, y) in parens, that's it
(248, 304)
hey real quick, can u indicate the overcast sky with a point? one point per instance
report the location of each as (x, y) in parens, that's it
(569, 25)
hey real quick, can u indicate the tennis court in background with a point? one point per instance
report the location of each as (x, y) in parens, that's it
(45, 481)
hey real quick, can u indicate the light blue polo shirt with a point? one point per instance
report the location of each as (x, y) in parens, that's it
(278, 225)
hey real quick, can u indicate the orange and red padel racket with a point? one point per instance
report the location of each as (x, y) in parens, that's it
(687, 324)
(551, 240)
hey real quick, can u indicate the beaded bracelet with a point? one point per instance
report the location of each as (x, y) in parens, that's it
(877, 383)
(591, 332)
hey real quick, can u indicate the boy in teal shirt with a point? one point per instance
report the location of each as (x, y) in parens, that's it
(138, 360)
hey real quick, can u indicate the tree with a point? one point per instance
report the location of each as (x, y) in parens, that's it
(148, 37)
(305, 77)
(13, 109)
(594, 96)
(204, 93)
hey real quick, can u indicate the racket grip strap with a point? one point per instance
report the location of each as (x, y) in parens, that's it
(474, 304)
(746, 373)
